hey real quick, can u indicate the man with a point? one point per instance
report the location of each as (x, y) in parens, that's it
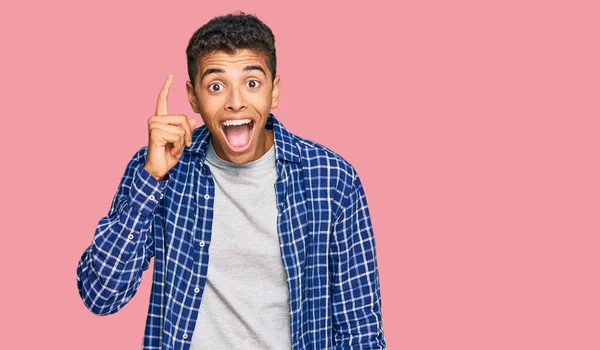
(283, 219)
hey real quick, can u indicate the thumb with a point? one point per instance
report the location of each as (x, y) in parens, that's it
(192, 123)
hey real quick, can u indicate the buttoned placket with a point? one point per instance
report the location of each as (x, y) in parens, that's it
(202, 199)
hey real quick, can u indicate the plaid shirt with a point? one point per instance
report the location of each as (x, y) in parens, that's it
(325, 233)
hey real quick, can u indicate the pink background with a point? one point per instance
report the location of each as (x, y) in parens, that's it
(473, 126)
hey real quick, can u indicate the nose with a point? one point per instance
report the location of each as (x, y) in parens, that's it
(236, 101)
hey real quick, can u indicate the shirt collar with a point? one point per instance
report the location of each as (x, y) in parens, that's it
(285, 145)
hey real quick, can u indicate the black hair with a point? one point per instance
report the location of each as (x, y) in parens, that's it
(229, 33)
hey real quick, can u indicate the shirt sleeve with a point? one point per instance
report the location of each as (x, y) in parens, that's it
(357, 322)
(110, 269)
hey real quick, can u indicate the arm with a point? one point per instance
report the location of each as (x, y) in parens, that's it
(110, 269)
(356, 299)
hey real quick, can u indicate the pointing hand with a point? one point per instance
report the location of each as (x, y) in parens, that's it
(168, 134)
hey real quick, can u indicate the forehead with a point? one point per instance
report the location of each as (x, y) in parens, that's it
(237, 60)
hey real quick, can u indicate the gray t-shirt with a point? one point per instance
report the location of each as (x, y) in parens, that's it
(245, 304)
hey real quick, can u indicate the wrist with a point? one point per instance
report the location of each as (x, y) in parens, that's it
(154, 175)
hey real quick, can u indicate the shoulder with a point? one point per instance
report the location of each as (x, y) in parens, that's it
(314, 154)
(326, 168)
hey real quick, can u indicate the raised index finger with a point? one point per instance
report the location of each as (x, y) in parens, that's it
(161, 103)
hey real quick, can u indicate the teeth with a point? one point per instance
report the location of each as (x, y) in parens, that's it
(236, 122)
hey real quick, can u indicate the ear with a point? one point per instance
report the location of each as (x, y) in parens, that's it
(192, 97)
(275, 93)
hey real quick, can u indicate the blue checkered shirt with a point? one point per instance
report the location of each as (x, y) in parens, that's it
(325, 233)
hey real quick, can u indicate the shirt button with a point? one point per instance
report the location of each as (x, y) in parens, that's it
(202, 243)
(196, 290)
(207, 197)
(130, 237)
(185, 336)
(161, 195)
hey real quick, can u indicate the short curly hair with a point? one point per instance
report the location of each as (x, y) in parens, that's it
(229, 33)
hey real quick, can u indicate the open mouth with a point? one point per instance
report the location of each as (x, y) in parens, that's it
(238, 134)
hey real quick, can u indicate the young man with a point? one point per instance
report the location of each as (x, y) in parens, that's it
(283, 219)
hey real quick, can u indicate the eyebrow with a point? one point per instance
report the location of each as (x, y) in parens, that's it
(220, 70)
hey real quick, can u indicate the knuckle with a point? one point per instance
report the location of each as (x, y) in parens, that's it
(154, 127)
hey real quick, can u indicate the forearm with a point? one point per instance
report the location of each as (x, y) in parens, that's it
(110, 269)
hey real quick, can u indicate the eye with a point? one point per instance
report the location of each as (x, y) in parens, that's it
(253, 84)
(215, 87)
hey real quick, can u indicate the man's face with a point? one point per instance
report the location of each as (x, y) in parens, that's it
(235, 89)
